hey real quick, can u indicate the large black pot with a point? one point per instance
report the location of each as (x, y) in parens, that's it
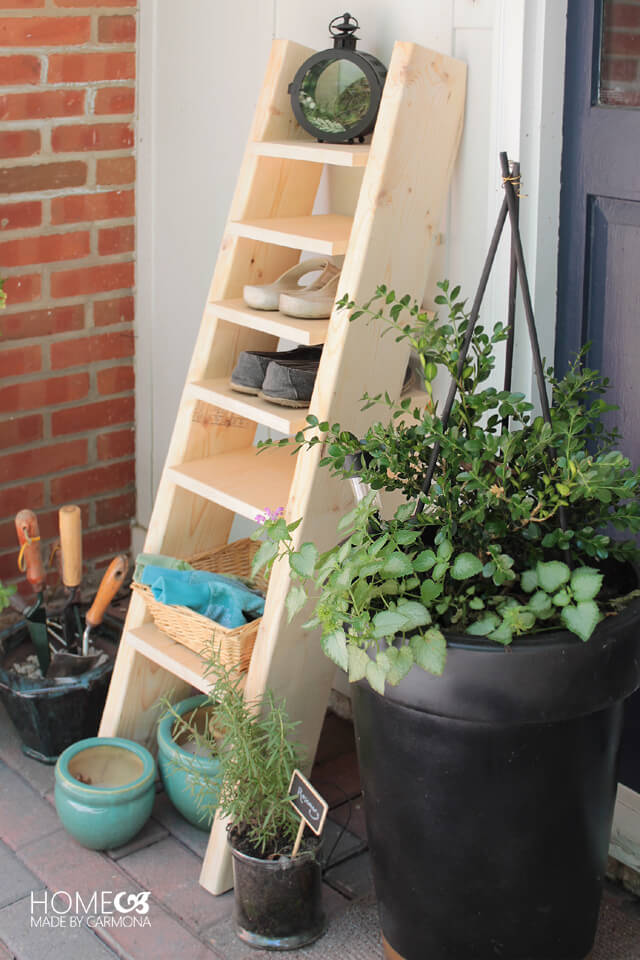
(278, 903)
(489, 794)
(51, 714)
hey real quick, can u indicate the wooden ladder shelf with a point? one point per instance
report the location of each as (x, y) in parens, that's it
(211, 471)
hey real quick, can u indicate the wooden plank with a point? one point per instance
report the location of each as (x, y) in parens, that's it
(326, 233)
(305, 332)
(181, 521)
(336, 154)
(137, 685)
(171, 656)
(242, 481)
(394, 234)
(220, 394)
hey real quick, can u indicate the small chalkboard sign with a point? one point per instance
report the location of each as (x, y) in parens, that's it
(308, 804)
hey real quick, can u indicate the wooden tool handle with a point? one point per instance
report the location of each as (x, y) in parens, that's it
(70, 520)
(107, 590)
(30, 553)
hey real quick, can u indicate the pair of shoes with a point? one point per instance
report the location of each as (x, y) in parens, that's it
(311, 301)
(286, 377)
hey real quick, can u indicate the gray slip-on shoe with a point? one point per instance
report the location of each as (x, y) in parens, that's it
(289, 386)
(251, 367)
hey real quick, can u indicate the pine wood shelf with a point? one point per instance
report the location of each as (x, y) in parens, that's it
(326, 233)
(306, 332)
(161, 649)
(242, 481)
(211, 471)
(219, 393)
(336, 154)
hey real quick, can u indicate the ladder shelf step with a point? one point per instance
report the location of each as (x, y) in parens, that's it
(240, 480)
(174, 657)
(336, 154)
(218, 393)
(326, 233)
(306, 332)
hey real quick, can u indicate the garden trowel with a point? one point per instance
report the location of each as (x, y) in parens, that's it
(30, 563)
(70, 524)
(66, 664)
(109, 586)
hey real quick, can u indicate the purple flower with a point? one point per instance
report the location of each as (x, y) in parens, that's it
(268, 514)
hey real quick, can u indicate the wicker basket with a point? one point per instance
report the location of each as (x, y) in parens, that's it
(192, 630)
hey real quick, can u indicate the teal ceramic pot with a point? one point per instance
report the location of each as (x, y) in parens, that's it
(182, 771)
(105, 788)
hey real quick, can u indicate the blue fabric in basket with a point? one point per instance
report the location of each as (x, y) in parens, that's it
(220, 598)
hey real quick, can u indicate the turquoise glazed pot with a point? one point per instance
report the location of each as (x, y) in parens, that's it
(105, 788)
(183, 772)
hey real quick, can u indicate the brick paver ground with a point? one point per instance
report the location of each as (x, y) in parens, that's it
(38, 858)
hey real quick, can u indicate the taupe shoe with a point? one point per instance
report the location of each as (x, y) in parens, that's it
(250, 370)
(267, 296)
(290, 386)
(315, 303)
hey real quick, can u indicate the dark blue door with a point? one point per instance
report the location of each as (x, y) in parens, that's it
(599, 265)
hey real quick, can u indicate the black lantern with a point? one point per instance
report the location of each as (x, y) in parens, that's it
(336, 93)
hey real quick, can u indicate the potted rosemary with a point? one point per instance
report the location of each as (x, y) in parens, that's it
(490, 627)
(278, 897)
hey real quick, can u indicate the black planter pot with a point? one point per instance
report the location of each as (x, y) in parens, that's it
(489, 794)
(50, 715)
(278, 903)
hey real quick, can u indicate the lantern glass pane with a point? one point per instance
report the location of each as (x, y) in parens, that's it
(334, 95)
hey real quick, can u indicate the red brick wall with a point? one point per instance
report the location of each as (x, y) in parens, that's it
(620, 66)
(67, 235)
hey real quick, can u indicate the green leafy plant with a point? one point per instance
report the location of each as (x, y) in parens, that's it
(483, 551)
(5, 594)
(254, 743)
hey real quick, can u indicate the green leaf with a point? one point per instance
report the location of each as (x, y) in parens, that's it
(430, 651)
(304, 560)
(396, 662)
(403, 537)
(424, 561)
(561, 598)
(439, 570)
(581, 619)
(376, 676)
(476, 603)
(502, 634)
(265, 555)
(529, 581)
(585, 583)
(334, 645)
(484, 626)
(387, 623)
(430, 591)
(397, 565)
(465, 565)
(348, 519)
(552, 575)
(279, 530)
(416, 614)
(404, 512)
(358, 661)
(540, 604)
(445, 550)
(296, 599)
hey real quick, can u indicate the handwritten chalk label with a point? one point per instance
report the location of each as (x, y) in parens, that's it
(307, 802)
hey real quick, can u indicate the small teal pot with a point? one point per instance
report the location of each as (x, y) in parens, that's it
(183, 773)
(105, 788)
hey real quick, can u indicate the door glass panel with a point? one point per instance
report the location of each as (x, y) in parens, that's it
(619, 84)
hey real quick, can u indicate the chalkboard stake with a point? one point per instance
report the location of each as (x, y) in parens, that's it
(296, 845)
